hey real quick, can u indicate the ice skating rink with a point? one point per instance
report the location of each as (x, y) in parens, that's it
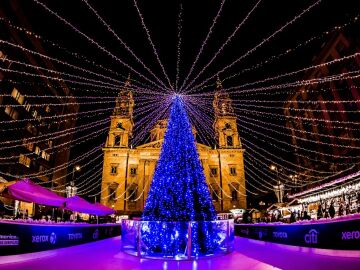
(248, 254)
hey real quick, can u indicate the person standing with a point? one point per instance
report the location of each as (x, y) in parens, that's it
(347, 209)
(341, 209)
(320, 213)
(292, 217)
(306, 216)
(332, 210)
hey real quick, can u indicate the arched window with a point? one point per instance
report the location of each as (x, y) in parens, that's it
(234, 187)
(229, 141)
(132, 193)
(215, 194)
(112, 188)
(117, 140)
(213, 172)
(234, 196)
(112, 194)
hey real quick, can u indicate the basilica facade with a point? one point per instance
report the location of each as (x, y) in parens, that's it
(128, 171)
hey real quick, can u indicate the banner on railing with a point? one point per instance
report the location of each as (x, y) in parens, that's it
(342, 235)
(23, 238)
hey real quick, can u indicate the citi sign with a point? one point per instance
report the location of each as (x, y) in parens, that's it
(311, 237)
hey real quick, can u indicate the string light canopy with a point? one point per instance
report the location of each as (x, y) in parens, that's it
(259, 95)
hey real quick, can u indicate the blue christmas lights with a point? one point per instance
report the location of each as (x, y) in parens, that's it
(179, 191)
(179, 204)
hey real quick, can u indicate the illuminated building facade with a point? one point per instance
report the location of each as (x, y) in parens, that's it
(127, 171)
(28, 119)
(324, 126)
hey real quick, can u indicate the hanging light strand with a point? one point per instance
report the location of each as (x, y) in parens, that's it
(203, 44)
(108, 27)
(264, 41)
(152, 44)
(227, 41)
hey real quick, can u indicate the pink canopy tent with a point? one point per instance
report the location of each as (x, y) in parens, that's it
(109, 211)
(27, 191)
(78, 204)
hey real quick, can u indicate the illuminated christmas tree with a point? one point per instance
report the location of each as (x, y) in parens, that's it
(179, 191)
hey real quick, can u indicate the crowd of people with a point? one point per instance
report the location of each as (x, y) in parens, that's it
(335, 207)
(53, 216)
(50, 215)
(325, 211)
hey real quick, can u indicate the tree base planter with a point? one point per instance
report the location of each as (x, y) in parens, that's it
(177, 240)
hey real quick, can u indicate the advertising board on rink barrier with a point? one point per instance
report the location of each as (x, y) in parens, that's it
(18, 238)
(340, 235)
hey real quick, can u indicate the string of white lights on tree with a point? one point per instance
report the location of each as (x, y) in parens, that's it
(251, 130)
(207, 124)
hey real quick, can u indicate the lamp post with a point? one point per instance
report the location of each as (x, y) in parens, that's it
(93, 196)
(72, 189)
(279, 188)
(294, 178)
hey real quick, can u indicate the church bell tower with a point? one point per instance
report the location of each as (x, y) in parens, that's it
(122, 119)
(116, 150)
(229, 171)
(225, 125)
